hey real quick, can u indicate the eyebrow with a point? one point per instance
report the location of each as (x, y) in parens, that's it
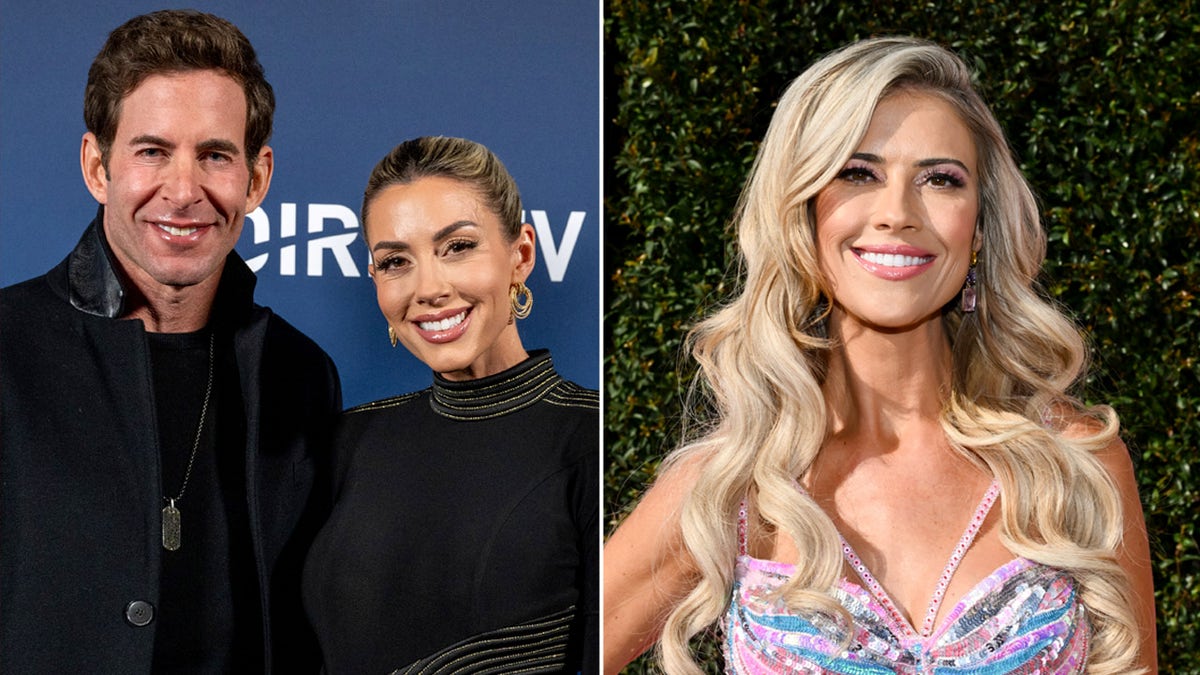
(218, 144)
(932, 161)
(437, 236)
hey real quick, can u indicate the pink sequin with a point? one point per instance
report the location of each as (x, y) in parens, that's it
(1023, 619)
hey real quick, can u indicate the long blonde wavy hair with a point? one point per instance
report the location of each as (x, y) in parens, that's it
(762, 359)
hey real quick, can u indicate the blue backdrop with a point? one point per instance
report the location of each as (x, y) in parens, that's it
(351, 80)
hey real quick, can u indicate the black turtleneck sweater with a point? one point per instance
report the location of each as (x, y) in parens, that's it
(465, 529)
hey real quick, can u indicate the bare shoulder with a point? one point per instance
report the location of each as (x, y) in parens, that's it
(1109, 449)
(647, 567)
(1116, 458)
(1133, 553)
(675, 482)
(656, 517)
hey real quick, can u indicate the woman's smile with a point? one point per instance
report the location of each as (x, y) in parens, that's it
(446, 327)
(894, 263)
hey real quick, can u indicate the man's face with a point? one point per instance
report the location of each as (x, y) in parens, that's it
(177, 186)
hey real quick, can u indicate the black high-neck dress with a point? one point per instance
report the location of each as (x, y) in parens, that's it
(465, 531)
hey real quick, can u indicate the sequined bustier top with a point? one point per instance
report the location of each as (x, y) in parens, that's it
(1023, 618)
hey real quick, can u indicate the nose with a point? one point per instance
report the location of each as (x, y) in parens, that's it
(898, 207)
(182, 186)
(432, 286)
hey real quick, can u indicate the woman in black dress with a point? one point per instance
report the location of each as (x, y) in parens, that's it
(464, 533)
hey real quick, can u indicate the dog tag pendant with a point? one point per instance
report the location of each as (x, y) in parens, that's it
(170, 526)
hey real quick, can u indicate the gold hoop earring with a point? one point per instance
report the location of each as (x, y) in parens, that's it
(392, 335)
(520, 308)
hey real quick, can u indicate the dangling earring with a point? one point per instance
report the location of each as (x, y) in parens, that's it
(968, 292)
(392, 335)
(520, 308)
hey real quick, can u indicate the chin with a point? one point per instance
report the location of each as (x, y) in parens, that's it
(882, 320)
(907, 323)
(445, 364)
(184, 275)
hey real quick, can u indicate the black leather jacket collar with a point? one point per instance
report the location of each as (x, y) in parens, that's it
(94, 284)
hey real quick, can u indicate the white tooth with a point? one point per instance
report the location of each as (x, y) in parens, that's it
(444, 324)
(178, 231)
(893, 259)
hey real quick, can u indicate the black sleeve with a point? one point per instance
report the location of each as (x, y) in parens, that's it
(587, 517)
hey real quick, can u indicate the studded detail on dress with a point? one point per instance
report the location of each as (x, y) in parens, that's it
(1023, 618)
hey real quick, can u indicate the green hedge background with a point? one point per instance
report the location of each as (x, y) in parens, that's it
(1100, 102)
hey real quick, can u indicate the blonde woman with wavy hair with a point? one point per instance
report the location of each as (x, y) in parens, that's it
(896, 477)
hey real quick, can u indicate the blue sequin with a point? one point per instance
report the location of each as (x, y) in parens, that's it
(1023, 618)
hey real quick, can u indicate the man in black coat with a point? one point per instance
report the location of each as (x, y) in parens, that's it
(162, 438)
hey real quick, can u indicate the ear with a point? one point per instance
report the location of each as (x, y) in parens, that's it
(524, 252)
(91, 163)
(260, 178)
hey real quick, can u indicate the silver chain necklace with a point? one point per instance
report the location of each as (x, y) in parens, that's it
(170, 513)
